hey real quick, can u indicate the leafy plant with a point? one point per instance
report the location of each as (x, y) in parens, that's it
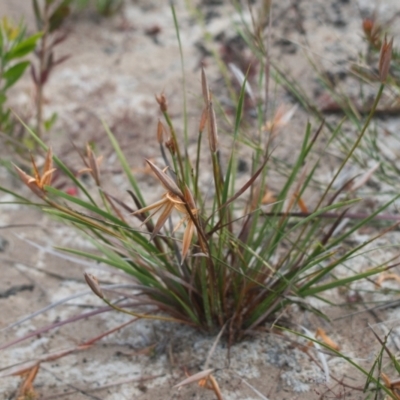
(49, 21)
(15, 46)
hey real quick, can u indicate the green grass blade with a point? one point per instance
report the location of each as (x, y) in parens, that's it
(124, 164)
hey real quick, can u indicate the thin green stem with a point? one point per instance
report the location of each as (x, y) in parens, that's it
(144, 316)
(355, 145)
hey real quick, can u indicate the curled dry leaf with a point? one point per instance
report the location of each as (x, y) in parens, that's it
(195, 378)
(364, 178)
(301, 203)
(281, 118)
(239, 75)
(386, 277)
(26, 390)
(326, 339)
(204, 380)
(394, 386)
(269, 197)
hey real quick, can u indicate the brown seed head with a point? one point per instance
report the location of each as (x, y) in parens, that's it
(37, 182)
(94, 285)
(203, 120)
(160, 131)
(212, 128)
(384, 59)
(162, 101)
(204, 87)
(386, 380)
(171, 145)
(172, 200)
(190, 227)
(368, 25)
(94, 164)
(372, 31)
(47, 169)
(30, 182)
(187, 194)
(165, 180)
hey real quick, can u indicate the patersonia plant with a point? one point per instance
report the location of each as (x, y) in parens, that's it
(232, 259)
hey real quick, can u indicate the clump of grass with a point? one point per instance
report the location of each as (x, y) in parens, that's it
(226, 258)
(239, 261)
(238, 255)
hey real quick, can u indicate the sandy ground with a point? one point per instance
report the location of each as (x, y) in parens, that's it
(115, 70)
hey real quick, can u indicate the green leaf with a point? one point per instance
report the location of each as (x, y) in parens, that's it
(23, 48)
(1, 42)
(48, 124)
(16, 195)
(38, 16)
(88, 206)
(21, 34)
(124, 163)
(59, 15)
(81, 4)
(29, 143)
(12, 75)
(341, 282)
(230, 173)
(3, 98)
(108, 7)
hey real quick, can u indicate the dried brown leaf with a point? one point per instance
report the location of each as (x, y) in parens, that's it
(195, 378)
(326, 339)
(386, 277)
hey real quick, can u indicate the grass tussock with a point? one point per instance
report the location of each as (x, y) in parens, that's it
(231, 259)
